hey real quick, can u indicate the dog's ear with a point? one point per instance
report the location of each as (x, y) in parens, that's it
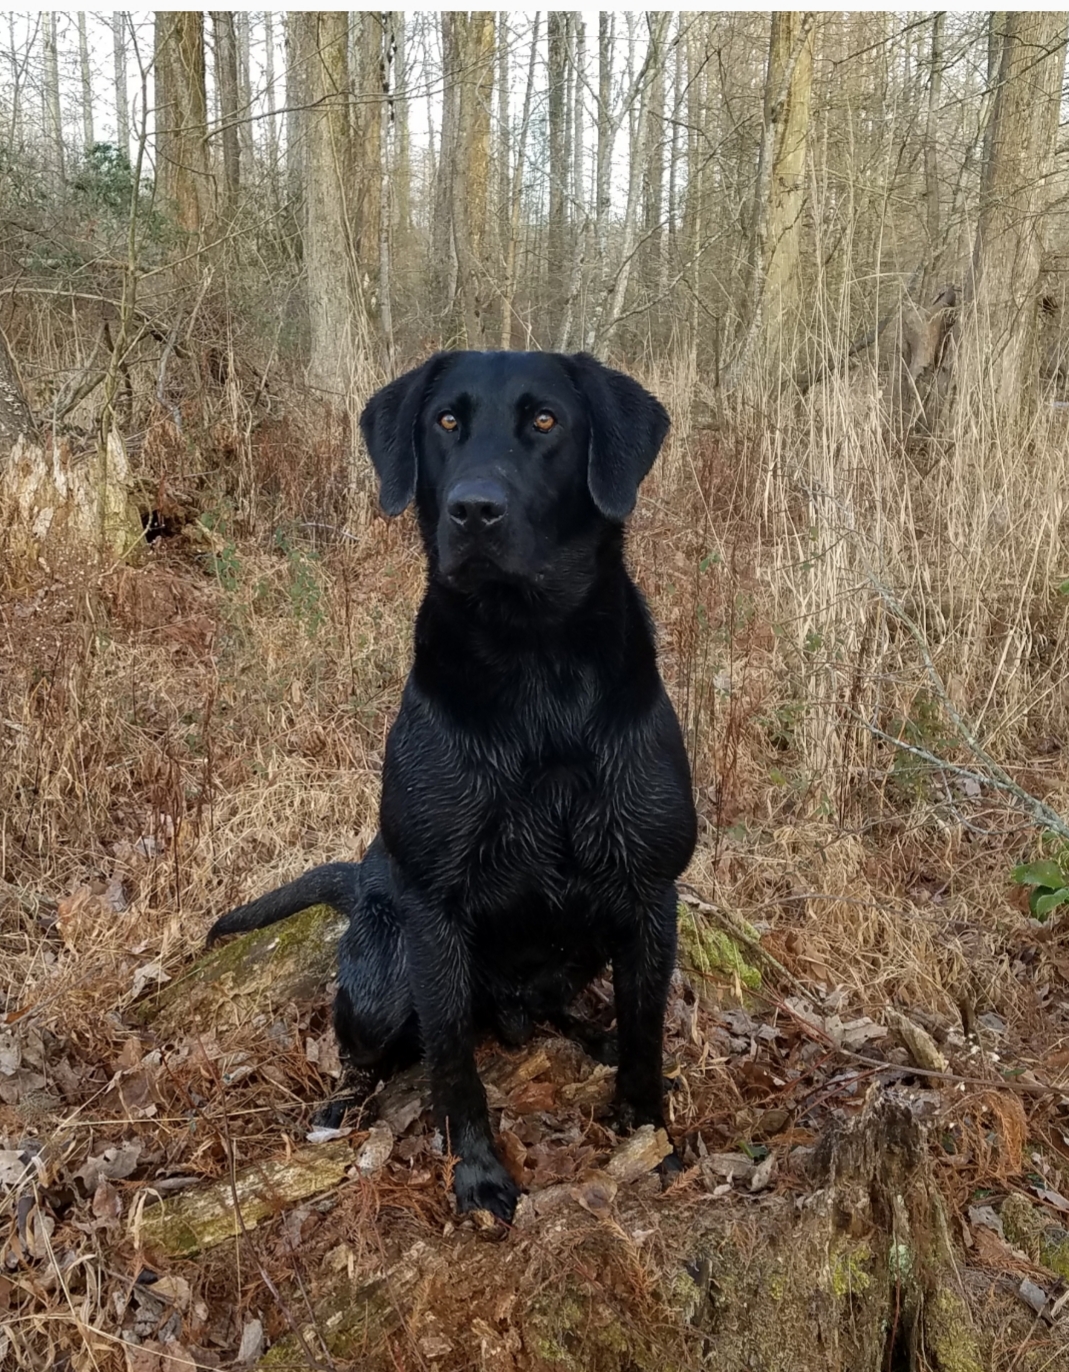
(627, 428)
(388, 424)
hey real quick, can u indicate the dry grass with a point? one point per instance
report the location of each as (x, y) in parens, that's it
(183, 733)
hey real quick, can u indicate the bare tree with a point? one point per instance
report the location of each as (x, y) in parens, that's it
(519, 163)
(87, 82)
(122, 99)
(774, 288)
(998, 358)
(272, 98)
(53, 116)
(182, 165)
(226, 80)
(335, 301)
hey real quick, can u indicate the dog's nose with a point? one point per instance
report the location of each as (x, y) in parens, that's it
(476, 505)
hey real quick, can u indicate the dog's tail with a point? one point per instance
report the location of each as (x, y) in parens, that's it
(335, 883)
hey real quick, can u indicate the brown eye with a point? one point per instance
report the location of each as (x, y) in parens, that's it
(448, 421)
(544, 421)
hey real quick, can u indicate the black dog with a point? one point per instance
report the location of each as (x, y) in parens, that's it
(536, 797)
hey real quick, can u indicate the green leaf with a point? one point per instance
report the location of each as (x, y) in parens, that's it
(1046, 903)
(1063, 589)
(1044, 873)
(709, 560)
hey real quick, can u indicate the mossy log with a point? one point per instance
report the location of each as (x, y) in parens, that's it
(183, 1227)
(251, 976)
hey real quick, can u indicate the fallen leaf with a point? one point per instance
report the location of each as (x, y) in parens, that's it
(374, 1152)
(1033, 1295)
(596, 1192)
(762, 1173)
(107, 1204)
(252, 1341)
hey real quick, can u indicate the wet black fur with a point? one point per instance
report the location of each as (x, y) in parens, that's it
(536, 797)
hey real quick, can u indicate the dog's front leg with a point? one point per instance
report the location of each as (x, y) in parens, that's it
(642, 972)
(441, 988)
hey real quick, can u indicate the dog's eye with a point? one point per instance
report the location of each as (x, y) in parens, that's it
(448, 421)
(544, 421)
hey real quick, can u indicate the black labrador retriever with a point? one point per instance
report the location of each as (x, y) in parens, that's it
(536, 796)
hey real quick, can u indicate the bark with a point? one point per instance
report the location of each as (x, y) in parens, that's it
(998, 357)
(87, 82)
(471, 204)
(768, 338)
(516, 194)
(558, 160)
(242, 37)
(51, 89)
(226, 80)
(272, 99)
(335, 304)
(443, 246)
(122, 99)
(367, 110)
(931, 144)
(295, 99)
(400, 194)
(182, 165)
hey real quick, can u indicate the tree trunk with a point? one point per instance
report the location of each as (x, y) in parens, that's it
(52, 106)
(242, 36)
(87, 83)
(769, 336)
(272, 100)
(400, 194)
(335, 305)
(471, 199)
(226, 80)
(558, 162)
(444, 267)
(998, 358)
(516, 195)
(122, 99)
(367, 111)
(183, 171)
(295, 99)
(931, 148)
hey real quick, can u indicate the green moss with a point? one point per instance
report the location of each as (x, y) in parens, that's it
(712, 952)
(205, 1217)
(849, 1276)
(1027, 1228)
(289, 961)
(949, 1334)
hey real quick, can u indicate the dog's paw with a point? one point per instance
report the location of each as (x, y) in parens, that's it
(482, 1186)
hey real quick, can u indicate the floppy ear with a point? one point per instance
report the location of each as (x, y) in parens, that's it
(627, 428)
(388, 424)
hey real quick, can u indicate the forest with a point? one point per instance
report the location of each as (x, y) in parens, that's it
(835, 245)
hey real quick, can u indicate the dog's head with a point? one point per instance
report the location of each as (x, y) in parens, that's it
(518, 462)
